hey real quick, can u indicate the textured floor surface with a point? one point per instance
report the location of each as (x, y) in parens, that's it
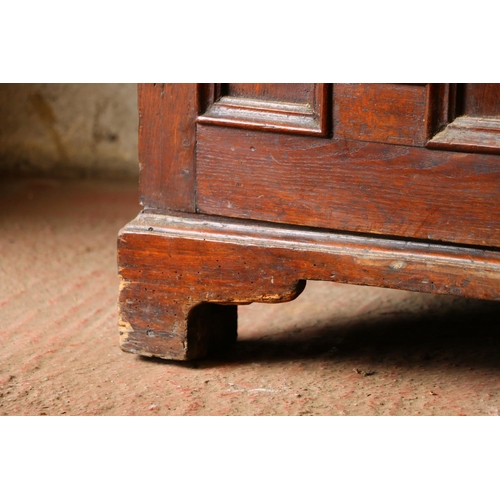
(335, 350)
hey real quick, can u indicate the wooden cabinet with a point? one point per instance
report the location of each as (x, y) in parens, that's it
(251, 189)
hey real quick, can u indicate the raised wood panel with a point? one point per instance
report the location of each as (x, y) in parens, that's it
(470, 134)
(388, 113)
(302, 109)
(469, 118)
(349, 186)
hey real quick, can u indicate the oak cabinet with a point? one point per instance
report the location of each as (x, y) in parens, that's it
(249, 190)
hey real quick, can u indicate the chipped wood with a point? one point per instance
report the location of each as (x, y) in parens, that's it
(251, 189)
(184, 278)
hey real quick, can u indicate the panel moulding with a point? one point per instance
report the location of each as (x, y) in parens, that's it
(267, 115)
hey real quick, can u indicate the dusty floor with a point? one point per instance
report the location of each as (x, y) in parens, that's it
(336, 350)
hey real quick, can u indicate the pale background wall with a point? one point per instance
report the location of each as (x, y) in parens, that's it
(69, 130)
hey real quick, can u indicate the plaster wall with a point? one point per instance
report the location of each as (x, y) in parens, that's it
(69, 130)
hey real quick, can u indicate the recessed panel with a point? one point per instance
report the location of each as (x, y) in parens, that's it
(301, 109)
(480, 99)
(300, 93)
(472, 118)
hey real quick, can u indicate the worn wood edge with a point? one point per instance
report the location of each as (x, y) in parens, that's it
(313, 119)
(242, 104)
(199, 321)
(191, 343)
(265, 116)
(469, 134)
(163, 317)
(384, 254)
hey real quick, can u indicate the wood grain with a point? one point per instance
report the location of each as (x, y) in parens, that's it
(167, 140)
(302, 109)
(389, 113)
(467, 118)
(469, 134)
(349, 186)
(365, 205)
(298, 93)
(480, 99)
(175, 269)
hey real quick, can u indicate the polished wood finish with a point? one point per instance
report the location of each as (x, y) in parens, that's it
(174, 270)
(389, 113)
(480, 99)
(249, 190)
(167, 141)
(303, 110)
(349, 186)
(299, 93)
(469, 118)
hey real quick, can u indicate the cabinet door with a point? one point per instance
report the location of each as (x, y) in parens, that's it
(418, 161)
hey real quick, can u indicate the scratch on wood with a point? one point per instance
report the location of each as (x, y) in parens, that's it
(275, 159)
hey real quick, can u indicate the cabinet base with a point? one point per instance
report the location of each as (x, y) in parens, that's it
(183, 275)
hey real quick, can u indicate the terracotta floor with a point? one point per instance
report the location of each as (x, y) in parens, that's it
(336, 350)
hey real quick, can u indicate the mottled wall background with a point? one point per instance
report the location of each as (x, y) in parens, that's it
(69, 130)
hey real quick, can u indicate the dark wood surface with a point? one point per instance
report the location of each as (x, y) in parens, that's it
(167, 141)
(349, 186)
(174, 270)
(250, 189)
(469, 117)
(391, 113)
(298, 93)
(303, 109)
(480, 99)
